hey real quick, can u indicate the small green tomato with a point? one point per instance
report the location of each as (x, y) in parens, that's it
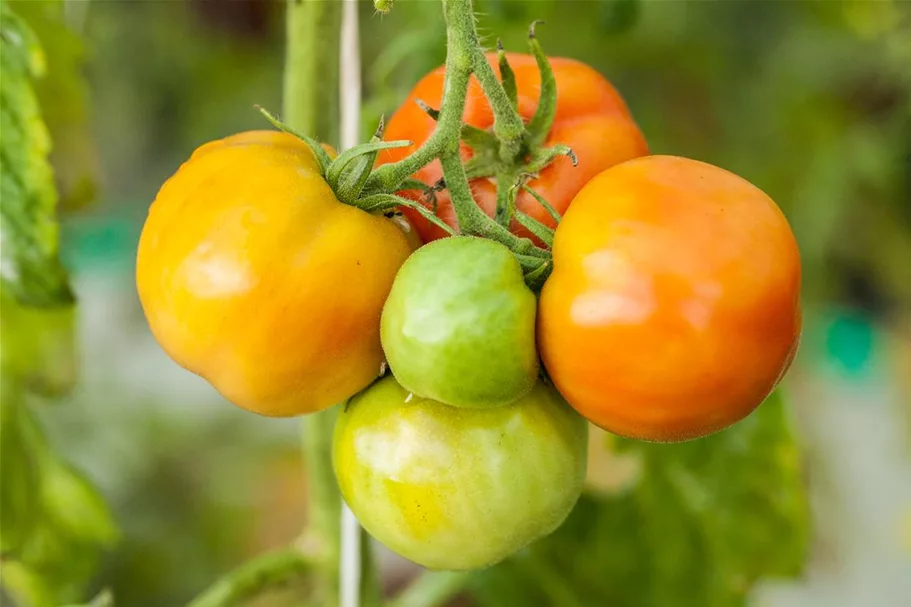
(459, 324)
(457, 489)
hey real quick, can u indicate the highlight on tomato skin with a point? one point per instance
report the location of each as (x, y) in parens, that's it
(592, 119)
(428, 480)
(673, 308)
(253, 275)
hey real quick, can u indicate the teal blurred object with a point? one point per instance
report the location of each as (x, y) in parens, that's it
(104, 241)
(850, 340)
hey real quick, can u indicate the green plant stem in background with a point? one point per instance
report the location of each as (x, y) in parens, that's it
(320, 539)
(432, 589)
(310, 97)
(311, 107)
(270, 570)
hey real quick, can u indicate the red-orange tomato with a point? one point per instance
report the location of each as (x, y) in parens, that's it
(673, 309)
(591, 118)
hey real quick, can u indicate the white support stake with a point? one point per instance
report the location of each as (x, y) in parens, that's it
(350, 104)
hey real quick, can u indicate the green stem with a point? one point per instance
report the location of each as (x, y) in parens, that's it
(371, 590)
(253, 577)
(464, 56)
(472, 220)
(389, 177)
(507, 124)
(432, 589)
(321, 535)
(506, 198)
(311, 106)
(311, 68)
(462, 45)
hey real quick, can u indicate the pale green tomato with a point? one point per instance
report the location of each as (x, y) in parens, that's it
(454, 488)
(459, 324)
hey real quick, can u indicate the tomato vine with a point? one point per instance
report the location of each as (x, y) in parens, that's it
(512, 152)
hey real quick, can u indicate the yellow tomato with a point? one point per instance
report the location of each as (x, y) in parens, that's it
(253, 275)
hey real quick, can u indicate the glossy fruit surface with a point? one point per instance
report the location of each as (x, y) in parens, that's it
(673, 309)
(591, 118)
(459, 324)
(453, 488)
(253, 275)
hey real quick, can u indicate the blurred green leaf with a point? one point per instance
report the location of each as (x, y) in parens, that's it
(62, 90)
(74, 507)
(52, 571)
(71, 527)
(18, 472)
(37, 346)
(30, 268)
(620, 16)
(53, 524)
(104, 599)
(706, 520)
(64, 100)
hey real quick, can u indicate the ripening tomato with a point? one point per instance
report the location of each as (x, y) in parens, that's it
(459, 324)
(253, 275)
(453, 488)
(673, 309)
(591, 118)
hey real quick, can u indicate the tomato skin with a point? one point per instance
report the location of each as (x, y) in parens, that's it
(591, 118)
(253, 275)
(673, 308)
(453, 488)
(459, 324)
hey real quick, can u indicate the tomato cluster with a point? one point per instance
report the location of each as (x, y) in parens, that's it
(671, 312)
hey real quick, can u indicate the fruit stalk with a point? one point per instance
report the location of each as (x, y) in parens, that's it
(464, 57)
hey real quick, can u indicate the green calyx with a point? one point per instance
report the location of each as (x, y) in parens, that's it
(348, 173)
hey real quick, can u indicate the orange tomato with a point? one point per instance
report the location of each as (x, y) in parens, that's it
(673, 309)
(253, 275)
(591, 118)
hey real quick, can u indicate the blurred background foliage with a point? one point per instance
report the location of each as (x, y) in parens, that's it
(809, 100)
